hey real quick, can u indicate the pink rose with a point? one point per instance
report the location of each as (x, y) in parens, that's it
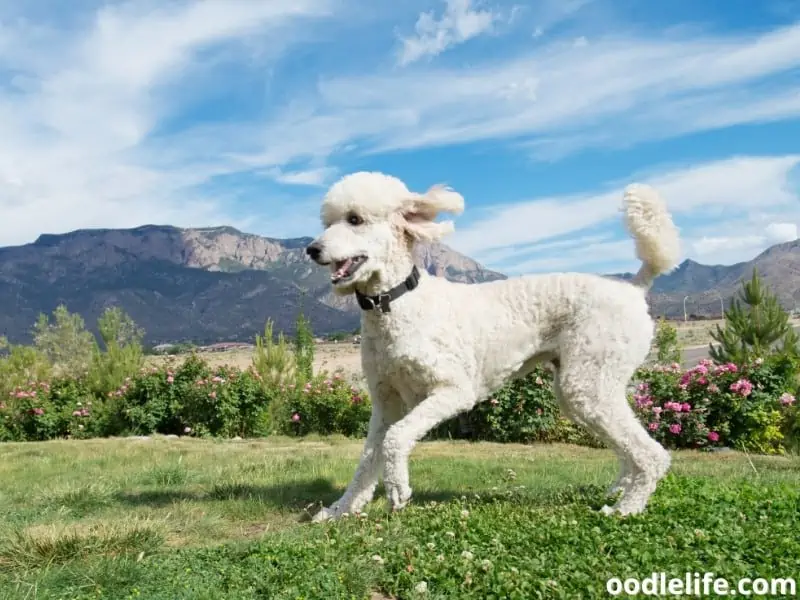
(675, 428)
(713, 436)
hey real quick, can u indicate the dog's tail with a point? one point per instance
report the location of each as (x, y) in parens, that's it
(656, 237)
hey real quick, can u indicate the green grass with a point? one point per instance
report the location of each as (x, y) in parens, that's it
(179, 519)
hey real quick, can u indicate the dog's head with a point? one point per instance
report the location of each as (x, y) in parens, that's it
(371, 223)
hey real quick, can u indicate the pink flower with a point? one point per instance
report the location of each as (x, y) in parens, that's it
(713, 388)
(212, 395)
(758, 362)
(686, 407)
(539, 381)
(742, 386)
(675, 428)
(652, 426)
(170, 379)
(356, 399)
(76, 413)
(539, 411)
(713, 436)
(787, 399)
(643, 387)
(657, 410)
(494, 401)
(37, 411)
(217, 379)
(187, 430)
(295, 418)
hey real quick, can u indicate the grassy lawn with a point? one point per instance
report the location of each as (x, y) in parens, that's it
(178, 519)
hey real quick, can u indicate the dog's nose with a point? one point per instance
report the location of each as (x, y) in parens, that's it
(314, 250)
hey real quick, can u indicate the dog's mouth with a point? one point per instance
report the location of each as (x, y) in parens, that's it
(343, 270)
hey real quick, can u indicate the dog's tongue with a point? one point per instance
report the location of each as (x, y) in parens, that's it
(342, 267)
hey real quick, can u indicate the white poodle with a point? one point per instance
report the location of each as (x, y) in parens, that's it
(432, 349)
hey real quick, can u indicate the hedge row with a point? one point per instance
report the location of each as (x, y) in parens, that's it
(750, 407)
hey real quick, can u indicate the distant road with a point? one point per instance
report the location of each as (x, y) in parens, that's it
(694, 355)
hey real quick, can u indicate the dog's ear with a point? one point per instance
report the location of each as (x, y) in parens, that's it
(420, 211)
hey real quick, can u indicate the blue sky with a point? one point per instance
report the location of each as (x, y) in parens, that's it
(242, 112)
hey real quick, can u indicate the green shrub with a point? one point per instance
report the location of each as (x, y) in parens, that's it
(273, 360)
(523, 411)
(668, 350)
(194, 399)
(325, 405)
(717, 404)
(304, 348)
(122, 354)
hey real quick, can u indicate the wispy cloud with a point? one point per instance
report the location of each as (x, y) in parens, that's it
(750, 199)
(617, 90)
(115, 113)
(459, 23)
(81, 105)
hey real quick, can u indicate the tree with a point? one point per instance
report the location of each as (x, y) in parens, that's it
(755, 325)
(666, 340)
(123, 356)
(304, 346)
(274, 362)
(65, 342)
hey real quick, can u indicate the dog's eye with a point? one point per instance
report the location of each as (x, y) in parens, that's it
(354, 219)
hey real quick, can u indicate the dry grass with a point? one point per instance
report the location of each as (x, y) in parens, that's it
(346, 358)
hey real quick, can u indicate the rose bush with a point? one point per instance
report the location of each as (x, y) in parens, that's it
(746, 407)
(751, 407)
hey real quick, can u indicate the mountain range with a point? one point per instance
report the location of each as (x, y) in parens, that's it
(219, 284)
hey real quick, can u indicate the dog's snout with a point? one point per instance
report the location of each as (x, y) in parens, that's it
(314, 250)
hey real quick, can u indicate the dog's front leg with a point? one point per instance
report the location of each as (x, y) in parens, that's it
(386, 409)
(443, 404)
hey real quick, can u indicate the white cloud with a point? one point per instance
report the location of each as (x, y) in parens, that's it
(83, 142)
(744, 245)
(308, 177)
(459, 23)
(620, 89)
(778, 233)
(708, 201)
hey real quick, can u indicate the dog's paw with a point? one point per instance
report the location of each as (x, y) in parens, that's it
(398, 496)
(331, 513)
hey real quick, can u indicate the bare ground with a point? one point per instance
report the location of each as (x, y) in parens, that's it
(346, 358)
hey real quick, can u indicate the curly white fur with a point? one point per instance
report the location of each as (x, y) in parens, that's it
(445, 347)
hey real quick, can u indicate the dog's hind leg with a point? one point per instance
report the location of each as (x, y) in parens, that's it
(626, 467)
(595, 393)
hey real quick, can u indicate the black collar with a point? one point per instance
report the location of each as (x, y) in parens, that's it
(381, 301)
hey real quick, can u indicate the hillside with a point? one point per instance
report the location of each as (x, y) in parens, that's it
(203, 285)
(778, 266)
(216, 284)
